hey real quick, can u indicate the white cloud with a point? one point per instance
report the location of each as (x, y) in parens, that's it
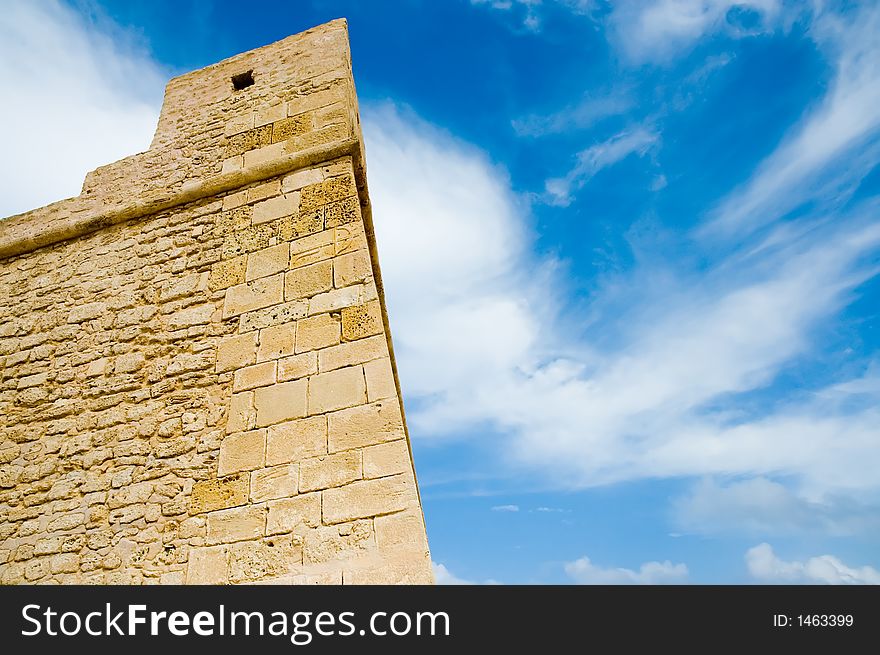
(583, 571)
(764, 565)
(762, 506)
(821, 157)
(559, 191)
(505, 508)
(443, 576)
(657, 30)
(77, 97)
(589, 111)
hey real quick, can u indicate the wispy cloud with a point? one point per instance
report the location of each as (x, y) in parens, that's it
(443, 576)
(505, 508)
(584, 571)
(85, 95)
(830, 151)
(559, 191)
(765, 566)
(657, 30)
(586, 113)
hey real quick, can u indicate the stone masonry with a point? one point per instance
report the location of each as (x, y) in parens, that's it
(197, 383)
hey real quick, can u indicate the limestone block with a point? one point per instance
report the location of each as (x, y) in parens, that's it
(351, 268)
(242, 413)
(280, 402)
(268, 261)
(227, 273)
(297, 366)
(242, 451)
(263, 191)
(386, 459)
(251, 377)
(250, 561)
(236, 524)
(277, 341)
(367, 498)
(337, 389)
(336, 299)
(207, 566)
(302, 224)
(339, 542)
(329, 190)
(264, 154)
(298, 179)
(269, 114)
(289, 514)
(380, 379)
(312, 248)
(295, 440)
(353, 352)
(341, 212)
(274, 315)
(87, 312)
(317, 332)
(274, 482)
(306, 281)
(240, 143)
(293, 126)
(254, 295)
(361, 321)
(365, 425)
(330, 470)
(191, 316)
(278, 207)
(237, 352)
(407, 568)
(222, 493)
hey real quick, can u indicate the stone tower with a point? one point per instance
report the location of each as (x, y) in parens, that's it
(197, 383)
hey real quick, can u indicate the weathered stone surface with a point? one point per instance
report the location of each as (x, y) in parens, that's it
(196, 382)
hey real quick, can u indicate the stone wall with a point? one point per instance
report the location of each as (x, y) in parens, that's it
(197, 383)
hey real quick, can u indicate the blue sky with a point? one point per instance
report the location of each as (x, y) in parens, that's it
(630, 250)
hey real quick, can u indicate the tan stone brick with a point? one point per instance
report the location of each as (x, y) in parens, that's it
(277, 207)
(268, 261)
(317, 332)
(242, 414)
(233, 200)
(290, 514)
(274, 482)
(348, 541)
(330, 190)
(386, 459)
(367, 498)
(380, 379)
(340, 212)
(269, 114)
(263, 191)
(262, 155)
(280, 402)
(274, 315)
(277, 341)
(330, 470)
(402, 569)
(298, 366)
(290, 127)
(309, 280)
(251, 377)
(351, 268)
(336, 299)
(236, 524)
(353, 352)
(243, 141)
(249, 239)
(191, 316)
(349, 238)
(207, 566)
(364, 426)
(222, 493)
(238, 124)
(312, 248)
(234, 219)
(401, 530)
(296, 440)
(227, 273)
(254, 295)
(337, 389)
(179, 287)
(302, 224)
(298, 179)
(236, 352)
(361, 321)
(252, 561)
(242, 451)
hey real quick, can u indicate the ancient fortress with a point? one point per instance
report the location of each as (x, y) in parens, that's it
(197, 383)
